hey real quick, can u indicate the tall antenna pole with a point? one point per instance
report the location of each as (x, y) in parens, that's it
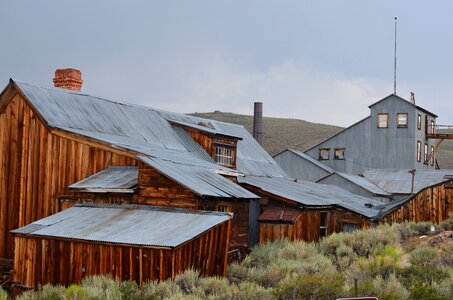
(394, 65)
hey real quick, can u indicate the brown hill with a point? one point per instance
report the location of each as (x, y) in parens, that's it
(280, 133)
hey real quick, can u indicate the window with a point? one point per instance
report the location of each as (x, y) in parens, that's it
(222, 208)
(432, 126)
(419, 122)
(224, 155)
(324, 153)
(338, 154)
(432, 155)
(323, 224)
(401, 120)
(426, 154)
(348, 227)
(419, 151)
(383, 120)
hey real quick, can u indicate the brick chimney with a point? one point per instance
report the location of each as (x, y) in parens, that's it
(70, 79)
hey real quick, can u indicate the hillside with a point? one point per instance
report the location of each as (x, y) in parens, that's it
(280, 133)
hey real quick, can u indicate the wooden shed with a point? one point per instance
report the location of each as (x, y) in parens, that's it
(302, 210)
(129, 242)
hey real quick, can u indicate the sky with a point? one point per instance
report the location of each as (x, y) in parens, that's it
(320, 61)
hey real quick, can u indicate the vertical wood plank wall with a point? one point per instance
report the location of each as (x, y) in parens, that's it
(38, 166)
(307, 225)
(39, 261)
(432, 204)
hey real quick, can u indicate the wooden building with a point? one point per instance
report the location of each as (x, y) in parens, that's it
(303, 210)
(129, 242)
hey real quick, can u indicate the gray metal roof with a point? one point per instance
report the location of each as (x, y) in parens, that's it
(126, 224)
(402, 99)
(205, 129)
(201, 180)
(399, 181)
(141, 129)
(112, 179)
(364, 183)
(312, 160)
(314, 194)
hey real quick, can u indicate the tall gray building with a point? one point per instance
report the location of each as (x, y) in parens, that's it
(396, 135)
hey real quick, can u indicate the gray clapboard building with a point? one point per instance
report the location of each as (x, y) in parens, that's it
(397, 134)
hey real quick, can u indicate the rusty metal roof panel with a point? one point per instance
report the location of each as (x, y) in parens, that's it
(128, 224)
(279, 215)
(112, 178)
(141, 129)
(399, 181)
(201, 180)
(314, 194)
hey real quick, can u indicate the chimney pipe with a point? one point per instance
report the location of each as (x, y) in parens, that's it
(258, 122)
(70, 79)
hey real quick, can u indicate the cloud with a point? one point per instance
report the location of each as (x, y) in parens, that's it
(290, 89)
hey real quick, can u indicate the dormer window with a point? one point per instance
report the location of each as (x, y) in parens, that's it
(224, 155)
(401, 120)
(383, 120)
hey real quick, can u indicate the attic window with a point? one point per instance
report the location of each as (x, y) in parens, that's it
(324, 153)
(338, 154)
(383, 120)
(224, 155)
(401, 120)
(419, 122)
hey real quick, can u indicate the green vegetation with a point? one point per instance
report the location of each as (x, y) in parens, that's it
(280, 133)
(390, 262)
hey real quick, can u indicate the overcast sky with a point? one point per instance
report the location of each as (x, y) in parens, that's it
(320, 61)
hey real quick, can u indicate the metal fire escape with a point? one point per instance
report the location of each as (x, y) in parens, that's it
(438, 132)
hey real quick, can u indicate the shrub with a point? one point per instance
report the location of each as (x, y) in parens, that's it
(3, 294)
(422, 228)
(130, 290)
(389, 289)
(421, 290)
(214, 286)
(250, 291)
(311, 286)
(188, 281)
(46, 292)
(161, 290)
(102, 287)
(383, 263)
(426, 274)
(75, 292)
(446, 255)
(424, 256)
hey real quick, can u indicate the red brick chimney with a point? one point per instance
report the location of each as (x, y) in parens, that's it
(70, 79)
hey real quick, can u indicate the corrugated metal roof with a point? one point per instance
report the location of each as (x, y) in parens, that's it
(141, 129)
(314, 194)
(112, 178)
(127, 224)
(312, 160)
(203, 128)
(279, 215)
(364, 183)
(202, 181)
(399, 181)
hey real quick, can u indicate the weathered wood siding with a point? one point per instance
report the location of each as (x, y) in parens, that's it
(40, 261)
(37, 166)
(307, 225)
(433, 204)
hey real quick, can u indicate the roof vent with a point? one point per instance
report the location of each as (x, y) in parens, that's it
(413, 97)
(369, 204)
(70, 79)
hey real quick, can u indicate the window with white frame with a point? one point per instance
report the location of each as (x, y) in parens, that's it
(432, 126)
(419, 122)
(224, 155)
(419, 151)
(383, 120)
(432, 155)
(401, 120)
(426, 154)
(324, 154)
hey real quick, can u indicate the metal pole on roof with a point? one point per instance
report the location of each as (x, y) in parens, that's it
(394, 65)
(258, 122)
